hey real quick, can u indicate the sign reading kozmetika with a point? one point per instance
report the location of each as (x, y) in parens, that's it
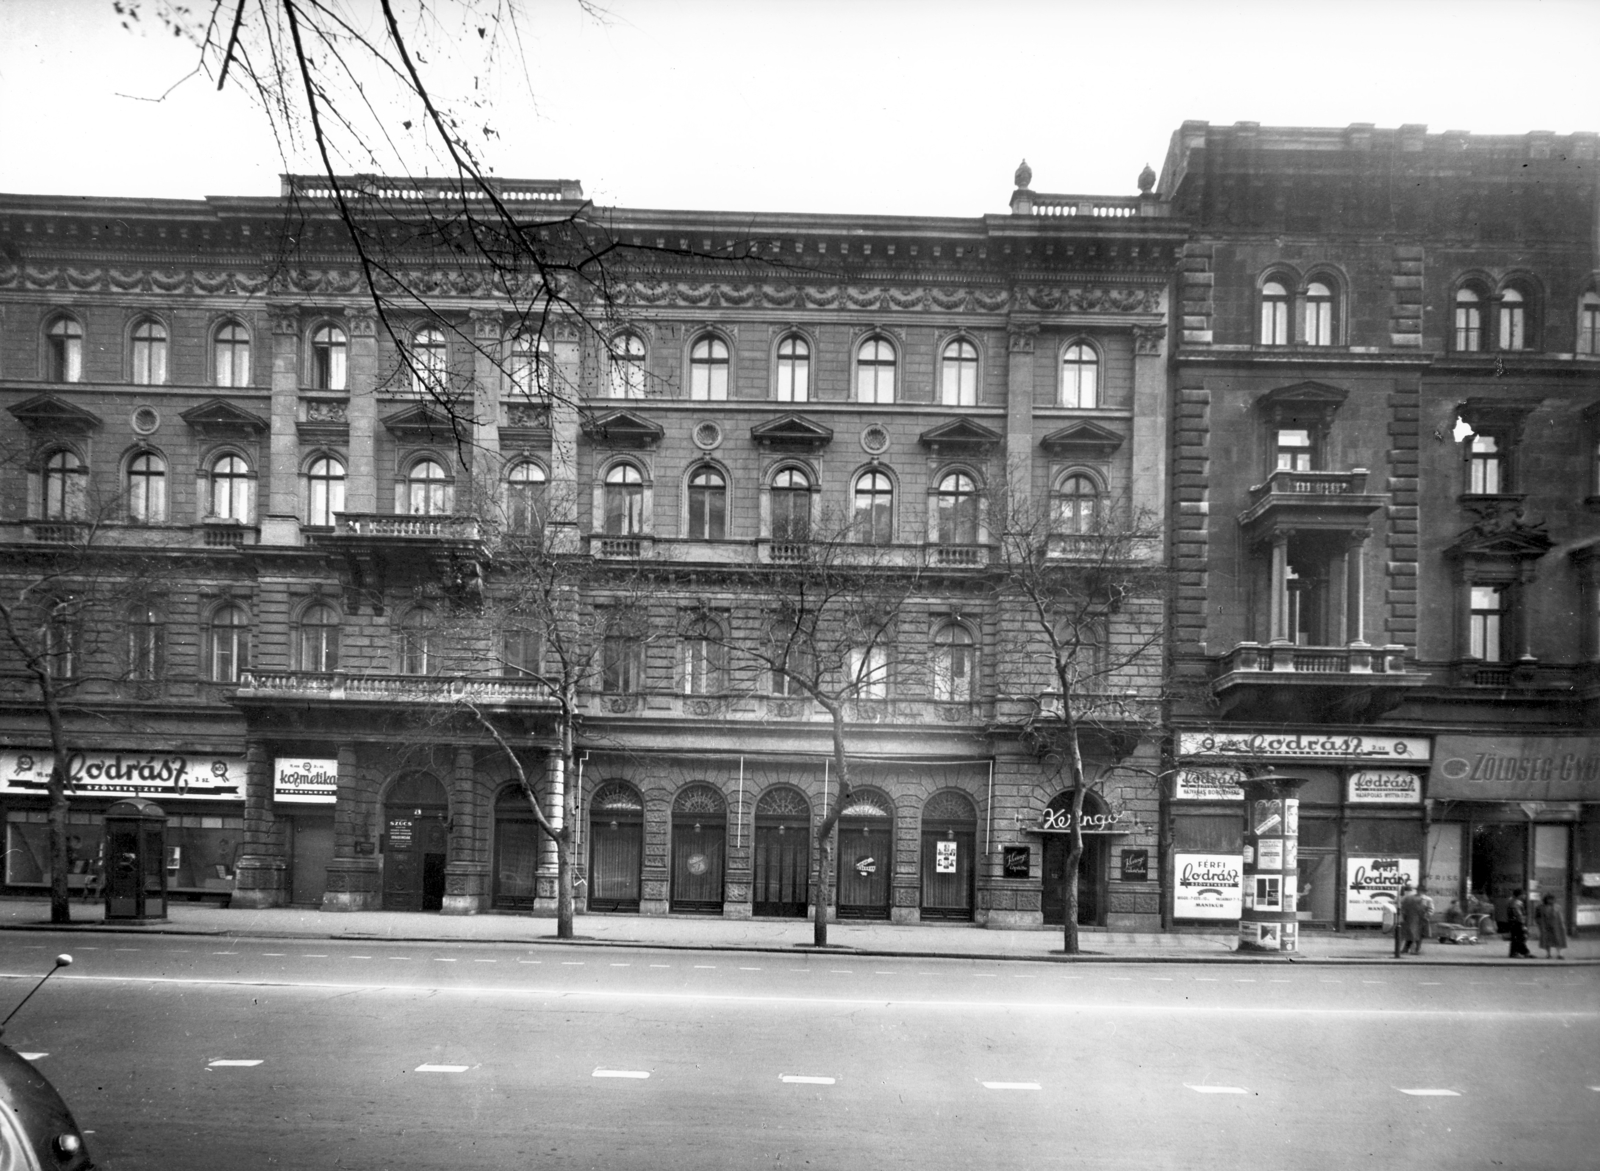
(163, 775)
(1280, 745)
(305, 782)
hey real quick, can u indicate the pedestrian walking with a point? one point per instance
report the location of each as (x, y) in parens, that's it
(1518, 918)
(1552, 927)
(1413, 920)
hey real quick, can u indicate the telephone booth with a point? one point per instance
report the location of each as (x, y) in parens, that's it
(136, 860)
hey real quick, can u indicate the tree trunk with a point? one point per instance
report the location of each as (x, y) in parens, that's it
(566, 839)
(1069, 877)
(830, 821)
(819, 923)
(60, 892)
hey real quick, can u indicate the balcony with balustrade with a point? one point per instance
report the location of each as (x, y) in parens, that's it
(340, 687)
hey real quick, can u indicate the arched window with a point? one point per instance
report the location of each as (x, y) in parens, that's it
(955, 663)
(624, 501)
(873, 522)
(875, 362)
(958, 374)
(525, 488)
(428, 358)
(627, 366)
(1512, 331)
(530, 370)
(318, 645)
(228, 636)
(704, 658)
(1320, 322)
(1080, 376)
(1468, 320)
(791, 506)
(329, 350)
(708, 505)
(324, 490)
(1589, 324)
(1077, 505)
(230, 355)
(427, 489)
(58, 636)
(65, 486)
(956, 502)
(147, 489)
(230, 489)
(63, 342)
(417, 652)
(708, 370)
(1274, 314)
(149, 338)
(146, 642)
(794, 369)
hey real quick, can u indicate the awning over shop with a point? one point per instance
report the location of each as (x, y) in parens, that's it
(1515, 768)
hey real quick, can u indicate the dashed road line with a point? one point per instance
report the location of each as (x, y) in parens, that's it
(572, 963)
(840, 971)
(444, 959)
(1216, 1089)
(215, 953)
(313, 955)
(613, 965)
(1011, 1085)
(497, 961)
(32, 1056)
(749, 969)
(1208, 980)
(1161, 979)
(431, 1068)
(652, 965)
(800, 1079)
(1430, 1093)
(530, 961)
(233, 1062)
(358, 957)
(706, 967)
(1429, 983)
(274, 954)
(639, 1074)
(1243, 981)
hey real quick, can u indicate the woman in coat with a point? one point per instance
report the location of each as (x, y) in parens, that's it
(1552, 928)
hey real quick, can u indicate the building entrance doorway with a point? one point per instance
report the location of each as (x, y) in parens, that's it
(312, 852)
(949, 837)
(783, 854)
(866, 841)
(416, 844)
(616, 848)
(1092, 865)
(699, 842)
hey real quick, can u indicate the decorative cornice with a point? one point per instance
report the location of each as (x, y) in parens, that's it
(65, 278)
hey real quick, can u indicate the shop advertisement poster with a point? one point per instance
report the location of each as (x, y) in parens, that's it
(1291, 854)
(161, 776)
(1291, 816)
(1379, 786)
(1373, 885)
(1270, 854)
(1269, 892)
(1268, 817)
(305, 782)
(1208, 784)
(1267, 936)
(944, 858)
(1208, 886)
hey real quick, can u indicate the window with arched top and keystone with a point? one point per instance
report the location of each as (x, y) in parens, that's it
(1515, 316)
(417, 649)
(230, 354)
(958, 373)
(793, 369)
(1468, 304)
(708, 504)
(1076, 504)
(955, 663)
(428, 488)
(872, 509)
(875, 370)
(955, 501)
(1321, 319)
(1080, 376)
(147, 350)
(330, 351)
(227, 643)
(147, 488)
(64, 486)
(625, 375)
(623, 501)
(1275, 303)
(526, 484)
(63, 349)
(1589, 323)
(228, 483)
(429, 360)
(708, 369)
(790, 505)
(317, 644)
(325, 480)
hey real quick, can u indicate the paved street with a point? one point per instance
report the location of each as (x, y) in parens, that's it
(196, 1052)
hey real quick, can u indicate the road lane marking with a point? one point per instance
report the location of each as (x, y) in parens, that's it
(1430, 983)
(1596, 1089)
(358, 957)
(847, 971)
(613, 965)
(628, 1073)
(313, 955)
(1374, 981)
(274, 954)
(32, 1056)
(1011, 1085)
(215, 953)
(1430, 1093)
(652, 965)
(1017, 976)
(1208, 979)
(1243, 981)
(1165, 979)
(800, 1079)
(497, 961)
(749, 969)
(572, 963)
(530, 961)
(1119, 977)
(233, 1062)
(443, 960)
(1216, 1089)
(431, 1068)
(401, 958)
(706, 966)
(1278, 981)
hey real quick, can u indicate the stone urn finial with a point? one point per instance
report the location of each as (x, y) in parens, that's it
(1024, 175)
(1147, 180)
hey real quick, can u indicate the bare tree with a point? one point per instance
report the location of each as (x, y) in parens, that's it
(820, 621)
(1084, 592)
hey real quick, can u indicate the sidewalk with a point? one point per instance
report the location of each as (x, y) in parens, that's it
(708, 932)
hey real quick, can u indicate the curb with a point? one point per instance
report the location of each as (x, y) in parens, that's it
(1088, 957)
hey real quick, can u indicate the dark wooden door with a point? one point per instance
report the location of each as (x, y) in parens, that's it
(1091, 880)
(782, 870)
(697, 853)
(864, 868)
(414, 855)
(313, 852)
(947, 871)
(616, 850)
(433, 842)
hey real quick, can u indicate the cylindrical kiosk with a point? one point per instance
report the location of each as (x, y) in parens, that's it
(1267, 919)
(136, 860)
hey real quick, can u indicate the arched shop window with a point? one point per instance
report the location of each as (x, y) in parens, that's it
(782, 853)
(866, 857)
(699, 843)
(616, 847)
(516, 850)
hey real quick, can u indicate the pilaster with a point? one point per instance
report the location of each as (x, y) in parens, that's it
(361, 485)
(280, 521)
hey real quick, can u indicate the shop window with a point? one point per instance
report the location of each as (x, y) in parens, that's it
(1274, 313)
(958, 374)
(704, 653)
(1486, 623)
(1080, 376)
(329, 353)
(522, 652)
(955, 663)
(228, 643)
(1589, 324)
(627, 375)
(873, 511)
(525, 497)
(147, 489)
(624, 501)
(318, 644)
(229, 485)
(708, 369)
(875, 371)
(149, 352)
(708, 505)
(230, 355)
(956, 508)
(1467, 334)
(418, 642)
(146, 642)
(1075, 505)
(63, 346)
(794, 369)
(791, 506)
(429, 361)
(428, 489)
(324, 491)
(869, 671)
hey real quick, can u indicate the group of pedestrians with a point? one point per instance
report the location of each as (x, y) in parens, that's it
(1416, 913)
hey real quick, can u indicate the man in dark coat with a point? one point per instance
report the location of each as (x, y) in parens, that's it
(1517, 915)
(1413, 921)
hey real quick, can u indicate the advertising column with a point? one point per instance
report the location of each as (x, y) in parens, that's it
(1271, 858)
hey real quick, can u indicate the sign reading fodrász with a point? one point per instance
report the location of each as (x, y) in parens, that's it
(1373, 885)
(163, 776)
(1208, 886)
(305, 782)
(1335, 746)
(1383, 786)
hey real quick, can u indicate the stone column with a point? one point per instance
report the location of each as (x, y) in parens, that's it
(1267, 921)
(355, 876)
(466, 871)
(1150, 410)
(1280, 588)
(361, 484)
(280, 519)
(1356, 590)
(563, 496)
(547, 894)
(261, 875)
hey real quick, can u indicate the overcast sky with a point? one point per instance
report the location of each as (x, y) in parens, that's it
(872, 106)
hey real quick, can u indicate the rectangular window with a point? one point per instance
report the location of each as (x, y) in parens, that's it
(702, 666)
(622, 665)
(1486, 624)
(1293, 449)
(1485, 468)
(522, 653)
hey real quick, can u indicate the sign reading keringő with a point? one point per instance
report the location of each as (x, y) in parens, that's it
(164, 776)
(301, 781)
